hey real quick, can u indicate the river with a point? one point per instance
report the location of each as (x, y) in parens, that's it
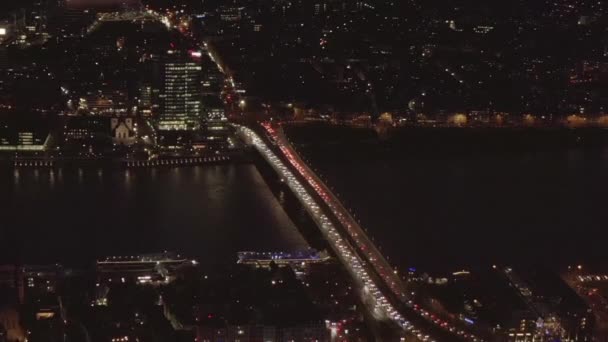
(430, 201)
(447, 200)
(74, 215)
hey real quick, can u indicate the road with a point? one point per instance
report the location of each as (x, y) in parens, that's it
(373, 298)
(382, 289)
(388, 278)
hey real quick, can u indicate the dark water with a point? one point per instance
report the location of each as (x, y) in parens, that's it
(77, 215)
(445, 209)
(438, 209)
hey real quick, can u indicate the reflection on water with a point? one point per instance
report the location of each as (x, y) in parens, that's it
(208, 212)
(51, 178)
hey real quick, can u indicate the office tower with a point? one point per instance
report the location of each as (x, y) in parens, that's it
(180, 97)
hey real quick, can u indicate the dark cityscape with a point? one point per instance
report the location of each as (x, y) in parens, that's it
(303, 170)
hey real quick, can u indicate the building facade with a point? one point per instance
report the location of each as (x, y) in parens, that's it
(180, 97)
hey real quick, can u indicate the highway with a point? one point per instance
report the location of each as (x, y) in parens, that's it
(379, 306)
(382, 289)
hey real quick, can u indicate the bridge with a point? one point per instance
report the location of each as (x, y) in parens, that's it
(381, 289)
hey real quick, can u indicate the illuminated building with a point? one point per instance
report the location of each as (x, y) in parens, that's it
(106, 101)
(23, 138)
(180, 98)
(84, 128)
(123, 130)
(216, 123)
(145, 101)
(281, 258)
(141, 269)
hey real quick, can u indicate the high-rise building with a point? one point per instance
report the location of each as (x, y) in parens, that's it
(180, 93)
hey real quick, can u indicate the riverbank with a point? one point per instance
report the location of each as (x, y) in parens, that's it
(240, 156)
